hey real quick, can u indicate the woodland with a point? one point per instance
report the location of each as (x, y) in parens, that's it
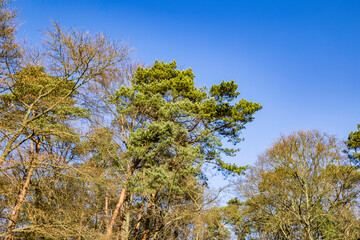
(96, 146)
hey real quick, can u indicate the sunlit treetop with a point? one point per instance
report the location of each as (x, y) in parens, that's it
(165, 95)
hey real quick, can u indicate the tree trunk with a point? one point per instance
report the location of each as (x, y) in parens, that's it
(121, 201)
(124, 231)
(123, 228)
(137, 228)
(106, 210)
(16, 210)
(147, 223)
(27, 178)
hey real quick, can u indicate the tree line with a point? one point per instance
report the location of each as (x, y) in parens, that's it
(97, 146)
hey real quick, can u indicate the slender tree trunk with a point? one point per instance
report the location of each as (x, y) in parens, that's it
(137, 228)
(118, 234)
(138, 222)
(16, 210)
(106, 210)
(120, 203)
(147, 223)
(27, 179)
(120, 225)
(124, 230)
(116, 213)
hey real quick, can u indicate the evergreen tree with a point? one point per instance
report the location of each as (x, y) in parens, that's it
(172, 129)
(353, 146)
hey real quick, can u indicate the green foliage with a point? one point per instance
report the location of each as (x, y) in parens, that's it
(41, 103)
(138, 169)
(169, 129)
(171, 115)
(353, 145)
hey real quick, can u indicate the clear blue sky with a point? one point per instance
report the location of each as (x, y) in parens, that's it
(299, 58)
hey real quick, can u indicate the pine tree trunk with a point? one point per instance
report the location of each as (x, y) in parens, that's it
(34, 150)
(27, 178)
(116, 213)
(16, 210)
(120, 203)
(124, 230)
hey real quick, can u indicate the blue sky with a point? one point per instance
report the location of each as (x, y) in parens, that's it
(299, 58)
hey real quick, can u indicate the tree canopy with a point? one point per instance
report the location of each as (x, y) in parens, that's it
(301, 188)
(353, 146)
(173, 128)
(94, 145)
(125, 146)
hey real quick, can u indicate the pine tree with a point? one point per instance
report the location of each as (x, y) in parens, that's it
(172, 128)
(353, 146)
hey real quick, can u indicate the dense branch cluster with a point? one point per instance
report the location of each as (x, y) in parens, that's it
(301, 188)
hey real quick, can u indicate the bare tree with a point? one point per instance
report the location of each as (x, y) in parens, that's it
(40, 93)
(300, 188)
